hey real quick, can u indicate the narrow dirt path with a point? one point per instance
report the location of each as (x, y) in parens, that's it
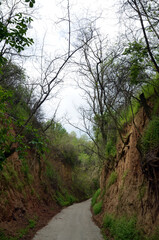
(72, 223)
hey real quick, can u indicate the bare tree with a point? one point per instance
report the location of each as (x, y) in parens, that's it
(50, 76)
(105, 81)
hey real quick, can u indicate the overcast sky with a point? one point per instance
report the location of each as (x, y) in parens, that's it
(45, 29)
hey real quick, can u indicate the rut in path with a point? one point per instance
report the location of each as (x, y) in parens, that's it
(72, 223)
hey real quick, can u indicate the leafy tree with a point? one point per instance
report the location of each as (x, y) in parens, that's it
(146, 13)
(14, 25)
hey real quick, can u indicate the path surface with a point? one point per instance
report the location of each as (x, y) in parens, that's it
(72, 223)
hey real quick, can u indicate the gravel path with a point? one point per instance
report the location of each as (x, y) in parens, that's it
(72, 223)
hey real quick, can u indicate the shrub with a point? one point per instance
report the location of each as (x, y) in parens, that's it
(95, 196)
(64, 199)
(97, 207)
(112, 179)
(150, 138)
(127, 114)
(110, 149)
(121, 228)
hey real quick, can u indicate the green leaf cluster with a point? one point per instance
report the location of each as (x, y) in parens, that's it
(138, 55)
(150, 137)
(121, 228)
(112, 179)
(97, 208)
(95, 197)
(31, 3)
(65, 198)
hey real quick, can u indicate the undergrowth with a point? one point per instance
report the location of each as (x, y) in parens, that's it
(95, 197)
(149, 91)
(121, 228)
(124, 228)
(127, 115)
(112, 179)
(110, 149)
(21, 233)
(97, 208)
(65, 198)
(150, 138)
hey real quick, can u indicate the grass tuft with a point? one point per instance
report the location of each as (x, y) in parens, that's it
(150, 138)
(95, 196)
(97, 208)
(64, 199)
(121, 228)
(112, 179)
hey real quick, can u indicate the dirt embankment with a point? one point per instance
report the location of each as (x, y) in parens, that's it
(131, 194)
(27, 193)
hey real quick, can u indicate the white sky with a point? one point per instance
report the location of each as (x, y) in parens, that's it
(44, 25)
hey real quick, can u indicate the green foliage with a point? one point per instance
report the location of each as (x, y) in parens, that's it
(64, 199)
(127, 114)
(110, 149)
(3, 236)
(26, 170)
(97, 208)
(121, 228)
(148, 90)
(156, 107)
(84, 180)
(112, 179)
(53, 176)
(138, 55)
(22, 232)
(70, 154)
(150, 138)
(5, 125)
(31, 2)
(13, 31)
(95, 197)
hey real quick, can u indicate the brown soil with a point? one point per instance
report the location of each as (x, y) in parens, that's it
(44, 216)
(43, 213)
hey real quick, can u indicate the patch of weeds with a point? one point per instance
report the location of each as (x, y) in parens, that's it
(19, 186)
(127, 115)
(110, 149)
(3, 236)
(112, 179)
(6, 176)
(156, 107)
(150, 138)
(22, 232)
(97, 208)
(104, 234)
(121, 228)
(52, 175)
(95, 196)
(26, 171)
(64, 199)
